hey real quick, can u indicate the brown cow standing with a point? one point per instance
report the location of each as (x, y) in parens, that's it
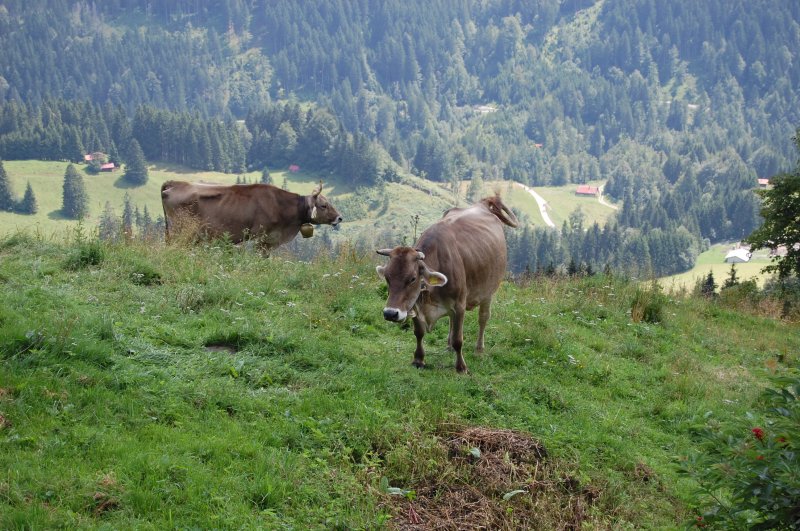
(456, 265)
(262, 212)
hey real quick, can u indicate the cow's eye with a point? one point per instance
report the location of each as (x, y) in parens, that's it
(323, 207)
(411, 281)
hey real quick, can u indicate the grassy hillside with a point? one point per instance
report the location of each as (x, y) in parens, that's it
(152, 387)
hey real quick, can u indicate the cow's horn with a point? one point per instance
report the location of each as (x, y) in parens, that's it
(420, 255)
(384, 252)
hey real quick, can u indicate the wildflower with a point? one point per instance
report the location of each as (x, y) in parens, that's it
(758, 433)
(759, 458)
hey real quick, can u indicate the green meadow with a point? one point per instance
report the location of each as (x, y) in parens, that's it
(713, 260)
(152, 387)
(47, 180)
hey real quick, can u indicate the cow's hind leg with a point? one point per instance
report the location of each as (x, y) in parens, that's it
(484, 313)
(419, 333)
(457, 320)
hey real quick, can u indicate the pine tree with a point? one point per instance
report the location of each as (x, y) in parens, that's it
(708, 286)
(127, 217)
(733, 278)
(75, 201)
(109, 224)
(135, 165)
(475, 191)
(266, 178)
(7, 202)
(28, 204)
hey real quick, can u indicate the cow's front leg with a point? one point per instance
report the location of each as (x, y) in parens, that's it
(457, 320)
(419, 333)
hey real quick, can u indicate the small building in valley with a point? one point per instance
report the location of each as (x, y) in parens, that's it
(109, 166)
(585, 189)
(763, 183)
(738, 255)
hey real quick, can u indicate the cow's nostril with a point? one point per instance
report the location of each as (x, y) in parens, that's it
(390, 314)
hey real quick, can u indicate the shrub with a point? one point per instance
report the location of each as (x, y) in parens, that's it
(85, 254)
(749, 472)
(648, 304)
(741, 295)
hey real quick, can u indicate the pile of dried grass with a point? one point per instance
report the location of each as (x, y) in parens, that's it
(493, 479)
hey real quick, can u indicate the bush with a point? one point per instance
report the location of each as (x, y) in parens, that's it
(742, 295)
(648, 305)
(787, 291)
(84, 255)
(749, 472)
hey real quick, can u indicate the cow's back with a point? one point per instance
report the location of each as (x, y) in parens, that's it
(236, 210)
(469, 247)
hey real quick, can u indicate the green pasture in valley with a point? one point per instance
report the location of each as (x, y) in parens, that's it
(153, 387)
(47, 180)
(713, 260)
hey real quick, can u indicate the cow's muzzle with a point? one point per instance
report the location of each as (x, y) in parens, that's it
(393, 314)
(337, 221)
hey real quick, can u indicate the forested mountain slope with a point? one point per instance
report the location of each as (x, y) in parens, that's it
(679, 105)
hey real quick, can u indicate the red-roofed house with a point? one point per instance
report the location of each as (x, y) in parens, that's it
(585, 189)
(763, 183)
(110, 166)
(294, 168)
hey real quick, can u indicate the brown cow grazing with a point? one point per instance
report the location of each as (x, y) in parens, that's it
(456, 265)
(266, 214)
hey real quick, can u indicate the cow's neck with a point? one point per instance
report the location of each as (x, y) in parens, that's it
(304, 208)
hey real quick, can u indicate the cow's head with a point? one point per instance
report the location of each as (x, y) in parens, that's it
(407, 277)
(322, 211)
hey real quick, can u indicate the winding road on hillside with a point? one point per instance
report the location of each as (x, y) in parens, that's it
(541, 202)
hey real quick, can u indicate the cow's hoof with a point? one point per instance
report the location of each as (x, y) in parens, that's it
(418, 364)
(462, 370)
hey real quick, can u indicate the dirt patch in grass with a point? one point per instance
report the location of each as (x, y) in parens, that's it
(221, 347)
(493, 479)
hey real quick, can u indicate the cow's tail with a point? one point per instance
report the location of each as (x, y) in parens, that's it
(503, 213)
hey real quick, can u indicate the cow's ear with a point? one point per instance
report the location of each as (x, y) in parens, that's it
(381, 270)
(434, 279)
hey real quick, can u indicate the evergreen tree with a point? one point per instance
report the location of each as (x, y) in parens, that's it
(475, 190)
(266, 178)
(732, 279)
(135, 165)
(28, 204)
(74, 203)
(7, 202)
(708, 286)
(127, 217)
(109, 224)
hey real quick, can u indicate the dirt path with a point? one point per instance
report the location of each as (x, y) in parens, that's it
(603, 201)
(541, 202)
